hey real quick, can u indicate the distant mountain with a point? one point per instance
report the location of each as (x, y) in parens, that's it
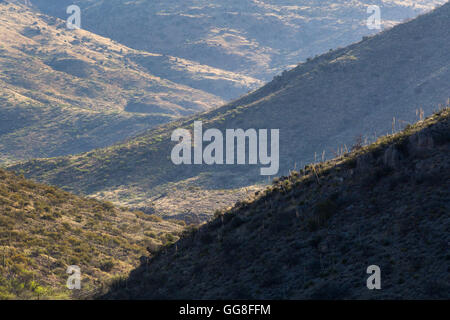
(320, 107)
(314, 233)
(259, 38)
(65, 91)
(43, 230)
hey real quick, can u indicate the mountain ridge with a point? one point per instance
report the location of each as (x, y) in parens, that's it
(257, 38)
(383, 78)
(313, 234)
(73, 91)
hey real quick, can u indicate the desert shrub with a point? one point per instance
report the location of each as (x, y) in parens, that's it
(206, 238)
(150, 234)
(236, 222)
(108, 206)
(324, 210)
(107, 266)
(168, 239)
(382, 172)
(351, 163)
(154, 218)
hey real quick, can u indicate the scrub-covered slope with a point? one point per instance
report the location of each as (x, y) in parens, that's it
(320, 107)
(314, 233)
(253, 37)
(69, 91)
(43, 230)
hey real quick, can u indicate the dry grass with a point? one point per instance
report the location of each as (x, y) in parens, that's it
(43, 230)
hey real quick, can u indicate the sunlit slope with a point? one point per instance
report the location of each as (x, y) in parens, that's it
(64, 91)
(320, 107)
(43, 230)
(258, 37)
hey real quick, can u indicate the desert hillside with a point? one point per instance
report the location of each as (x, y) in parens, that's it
(314, 233)
(69, 91)
(43, 230)
(260, 38)
(321, 107)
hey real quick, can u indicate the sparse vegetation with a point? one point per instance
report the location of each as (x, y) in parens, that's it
(317, 110)
(43, 230)
(68, 92)
(312, 237)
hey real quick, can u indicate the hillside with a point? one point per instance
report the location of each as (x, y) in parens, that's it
(312, 234)
(259, 38)
(320, 107)
(44, 230)
(65, 92)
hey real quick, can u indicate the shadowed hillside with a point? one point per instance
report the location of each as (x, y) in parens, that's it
(69, 91)
(44, 230)
(312, 234)
(369, 88)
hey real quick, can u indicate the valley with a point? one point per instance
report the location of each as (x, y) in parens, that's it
(386, 82)
(259, 38)
(313, 234)
(70, 91)
(237, 150)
